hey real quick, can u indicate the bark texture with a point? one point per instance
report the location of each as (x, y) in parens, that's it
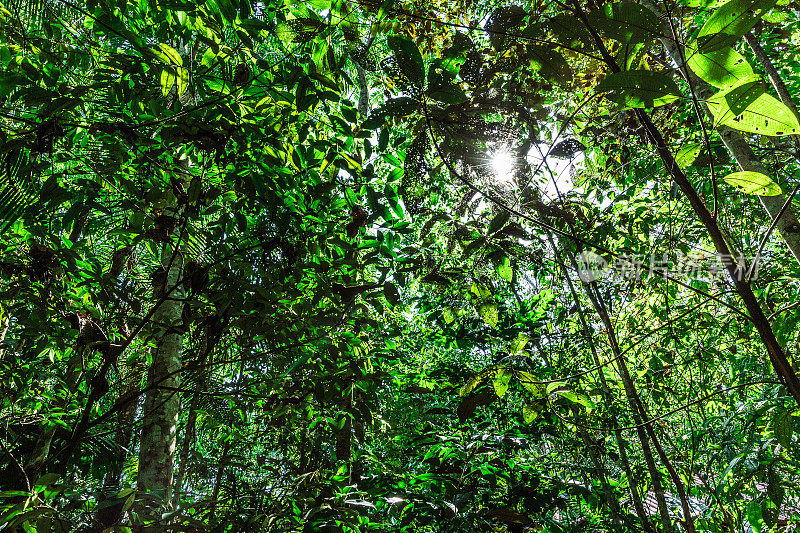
(162, 402)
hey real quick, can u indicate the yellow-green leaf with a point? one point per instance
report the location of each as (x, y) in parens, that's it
(519, 344)
(182, 80)
(171, 53)
(753, 183)
(473, 382)
(764, 115)
(501, 381)
(721, 68)
(687, 155)
(488, 313)
(531, 384)
(167, 81)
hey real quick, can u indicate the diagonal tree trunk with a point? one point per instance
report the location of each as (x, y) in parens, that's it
(732, 262)
(737, 145)
(772, 73)
(636, 497)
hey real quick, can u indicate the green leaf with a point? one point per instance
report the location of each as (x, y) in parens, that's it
(782, 426)
(626, 22)
(753, 183)
(739, 97)
(409, 59)
(687, 155)
(530, 411)
(182, 80)
(518, 344)
(480, 291)
(764, 115)
(504, 270)
(472, 383)
(550, 64)
(391, 293)
(167, 81)
(501, 381)
(442, 85)
(639, 88)
(714, 42)
(488, 313)
(499, 221)
(171, 53)
(531, 384)
(721, 68)
(736, 17)
(754, 516)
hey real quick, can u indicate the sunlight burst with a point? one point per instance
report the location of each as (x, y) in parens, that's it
(503, 162)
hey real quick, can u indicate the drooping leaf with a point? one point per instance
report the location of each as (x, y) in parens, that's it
(741, 96)
(764, 115)
(715, 41)
(501, 380)
(639, 88)
(687, 154)
(503, 24)
(721, 68)
(409, 59)
(519, 344)
(753, 183)
(736, 17)
(550, 64)
(566, 148)
(488, 313)
(442, 84)
(167, 81)
(472, 383)
(626, 22)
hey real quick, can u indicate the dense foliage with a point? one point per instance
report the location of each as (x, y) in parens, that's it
(399, 266)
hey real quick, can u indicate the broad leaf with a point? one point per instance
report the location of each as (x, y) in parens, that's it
(721, 68)
(626, 22)
(548, 63)
(409, 59)
(764, 115)
(639, 88)
(736, 17)
(753, 183)
(488, 313)
(501, 381)
(687, 154)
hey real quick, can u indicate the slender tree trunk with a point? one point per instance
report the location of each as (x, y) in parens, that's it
(737, 145)
(641, 412)
(218, 481)
(772, 73)
(186, 447)
(160, 412)
(733, 263)
(636, 497)
(125, 418)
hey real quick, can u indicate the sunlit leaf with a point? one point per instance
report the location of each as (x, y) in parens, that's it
(753, 183)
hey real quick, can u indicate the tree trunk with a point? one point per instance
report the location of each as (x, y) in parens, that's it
(160, 413)
(737, 145)
(772, 73)
(636, 497)
(640, 412)
(124, 432)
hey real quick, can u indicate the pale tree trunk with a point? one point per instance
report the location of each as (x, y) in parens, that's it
(737, 145)
(772, 73)
(162, 401)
